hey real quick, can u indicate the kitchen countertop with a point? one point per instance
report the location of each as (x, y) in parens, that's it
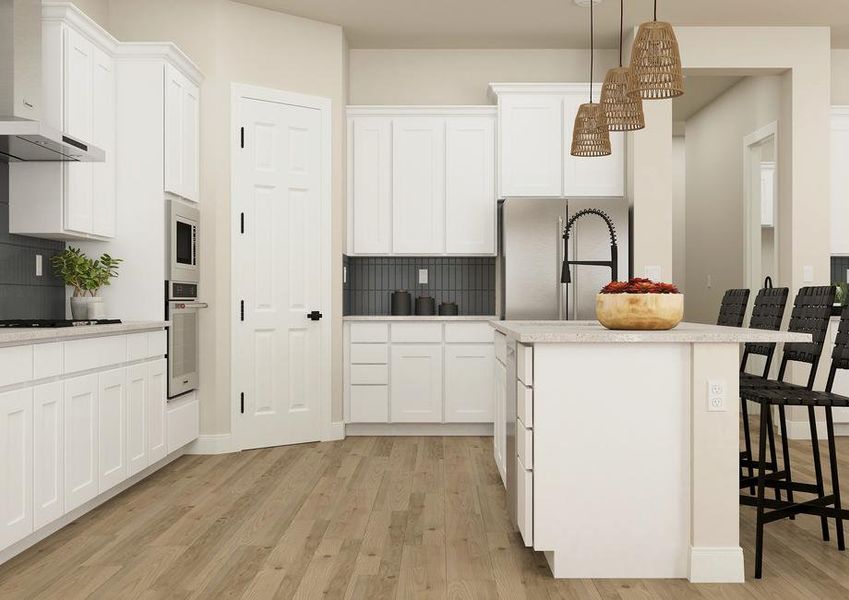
(25, 335)
(419, 318)
(570, 332)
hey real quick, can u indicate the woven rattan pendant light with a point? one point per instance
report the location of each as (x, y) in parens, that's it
(623, 112)
(590, 136)
(656, 62)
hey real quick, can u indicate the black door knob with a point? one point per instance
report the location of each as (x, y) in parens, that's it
(314, 315)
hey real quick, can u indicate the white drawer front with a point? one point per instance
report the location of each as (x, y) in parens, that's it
(369, 404)
(525, 404)
(369, 332)
(136, 346)
(182, 424)
(525, 364)
(46, 360)
(417, 332)
(369, 354)
(15, 365)
(157, 344)
(94, 353)
(501, 347)
(469, 333)
(525, 502)
(369, 374)
(525, 445)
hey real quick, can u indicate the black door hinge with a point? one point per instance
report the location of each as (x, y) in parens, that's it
(242, 310)
(243, 402)
(243, 222)
(242, 136)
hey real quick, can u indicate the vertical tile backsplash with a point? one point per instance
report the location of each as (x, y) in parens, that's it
(468, 281)
(22, 294)
(839, 266)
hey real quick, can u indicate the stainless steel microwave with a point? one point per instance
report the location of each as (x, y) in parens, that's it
(182, 243)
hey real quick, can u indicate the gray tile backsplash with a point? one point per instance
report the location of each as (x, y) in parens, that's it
(468, 281)
(22, 294)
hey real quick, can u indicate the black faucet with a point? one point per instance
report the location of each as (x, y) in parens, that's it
(565, 273)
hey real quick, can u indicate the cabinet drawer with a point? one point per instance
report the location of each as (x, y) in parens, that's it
(417, 332)
(369, 404)
(525, 364)
(501, 347)
(468, 333)
(369, 354)
(525, 502)
(15, 365)
(369, 374)
(369, 332)
(136, 346)
(46, 360)
(93, 353)
(525, 445)
(182, 421)
(525, 404)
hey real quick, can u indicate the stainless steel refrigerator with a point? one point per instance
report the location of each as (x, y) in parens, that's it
(531, 255)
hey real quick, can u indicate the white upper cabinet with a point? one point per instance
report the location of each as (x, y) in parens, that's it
(181, 135)
(103, 135)
(535, 124)
(369, 185)
(470, 201)
(418, 186)
(421, 180)
(839, 180)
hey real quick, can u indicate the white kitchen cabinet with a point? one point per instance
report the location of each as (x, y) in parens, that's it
(157, 404)
(416, 391)
(470, 202)
(112, 428)
(78, 81)
(418, 186)
(469, 387)
(499, 443)
(369, 185)
(137, 417)
(591, 176)
(182, 421)
(181, 134)
(81, 440)
(48, 453)
(16, 520)
(839, 180)
(103, 191)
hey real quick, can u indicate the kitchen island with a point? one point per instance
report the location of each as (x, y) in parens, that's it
(623, 447)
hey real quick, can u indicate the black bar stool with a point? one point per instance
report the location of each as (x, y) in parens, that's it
(732, 311)
(822, 505)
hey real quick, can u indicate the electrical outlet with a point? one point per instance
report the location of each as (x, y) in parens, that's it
(716, 395)
(422, 276)
(39, 269)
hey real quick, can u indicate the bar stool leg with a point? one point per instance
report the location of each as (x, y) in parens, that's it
(747, 438)
(815, 446)
(759, 531)
(785, 450)
(835, 481)
(773, 456)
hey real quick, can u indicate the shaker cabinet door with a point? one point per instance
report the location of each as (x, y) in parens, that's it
(15, 466)
(531, 143)
(369, 185)
(48, 454)
(416, 388)
(469, 389)
(81, 440)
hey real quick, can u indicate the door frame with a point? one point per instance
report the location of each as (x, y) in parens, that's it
(752, 213)
(239, 91)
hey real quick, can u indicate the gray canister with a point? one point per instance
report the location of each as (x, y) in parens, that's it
(402, 304)
(425, 306)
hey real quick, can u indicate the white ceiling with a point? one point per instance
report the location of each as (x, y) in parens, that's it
(542, 23)
(701, 91)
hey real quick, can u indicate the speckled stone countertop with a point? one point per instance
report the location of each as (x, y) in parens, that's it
(570, 332)
(31, 335)
(419, 318)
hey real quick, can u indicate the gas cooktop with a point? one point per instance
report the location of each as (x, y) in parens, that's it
(51, 323)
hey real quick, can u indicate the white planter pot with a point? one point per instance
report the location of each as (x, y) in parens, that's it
(96, 308)
(79, 307)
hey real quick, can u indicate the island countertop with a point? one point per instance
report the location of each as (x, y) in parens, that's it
(570, 332)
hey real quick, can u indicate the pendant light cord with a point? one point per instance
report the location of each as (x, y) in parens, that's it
(591, 50)
(655, 10)
(621, 25)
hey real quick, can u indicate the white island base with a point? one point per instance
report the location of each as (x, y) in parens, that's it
(623, 469)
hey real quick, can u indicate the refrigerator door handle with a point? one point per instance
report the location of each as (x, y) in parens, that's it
(557, 273)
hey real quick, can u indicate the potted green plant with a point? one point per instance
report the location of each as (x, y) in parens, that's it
(86, 277)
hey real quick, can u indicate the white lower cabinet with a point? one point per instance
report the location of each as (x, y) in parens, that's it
(112, 428)
(15, 466)
(469, 387)
(499, 443)
(48, 438)
(137, 396)
(416, 389)
(157, 404)
(81, 440)
(525, 501)
(182, 421)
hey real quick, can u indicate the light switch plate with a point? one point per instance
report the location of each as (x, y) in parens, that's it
(344, 274)
(39, 267)
(808, 274)
(422, 276)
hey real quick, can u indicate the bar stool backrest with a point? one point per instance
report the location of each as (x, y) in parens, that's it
(733, 308)
(840, 354)
(811, 314)
(767, 314)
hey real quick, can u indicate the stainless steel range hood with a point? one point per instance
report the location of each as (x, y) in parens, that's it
(23, 137)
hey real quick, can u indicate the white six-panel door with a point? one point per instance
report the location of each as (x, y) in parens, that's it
(278, 274)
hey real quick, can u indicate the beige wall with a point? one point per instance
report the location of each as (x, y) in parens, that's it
(840, 76)
(236, 43)
(679, 213)
(714, 189)
(460, 76)
(98, 10)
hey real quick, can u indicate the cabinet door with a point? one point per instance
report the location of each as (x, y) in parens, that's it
(157, 402)
(137, 382)
(190, 141)
(103, 135)
(469, 389)
(416, 389)
(499, 429)
(48, 454)
(369, 191)
(112, 428)
(839, 181)
(470, 185)
(593, 176)
(531, 144)
(175, 90)
(15, 466)
(81, 436)
(418, 185)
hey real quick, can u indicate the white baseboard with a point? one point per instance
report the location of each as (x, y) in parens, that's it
(216, 443)
(458, 429)
(335, 431)
(75, 514)
(716, 565)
